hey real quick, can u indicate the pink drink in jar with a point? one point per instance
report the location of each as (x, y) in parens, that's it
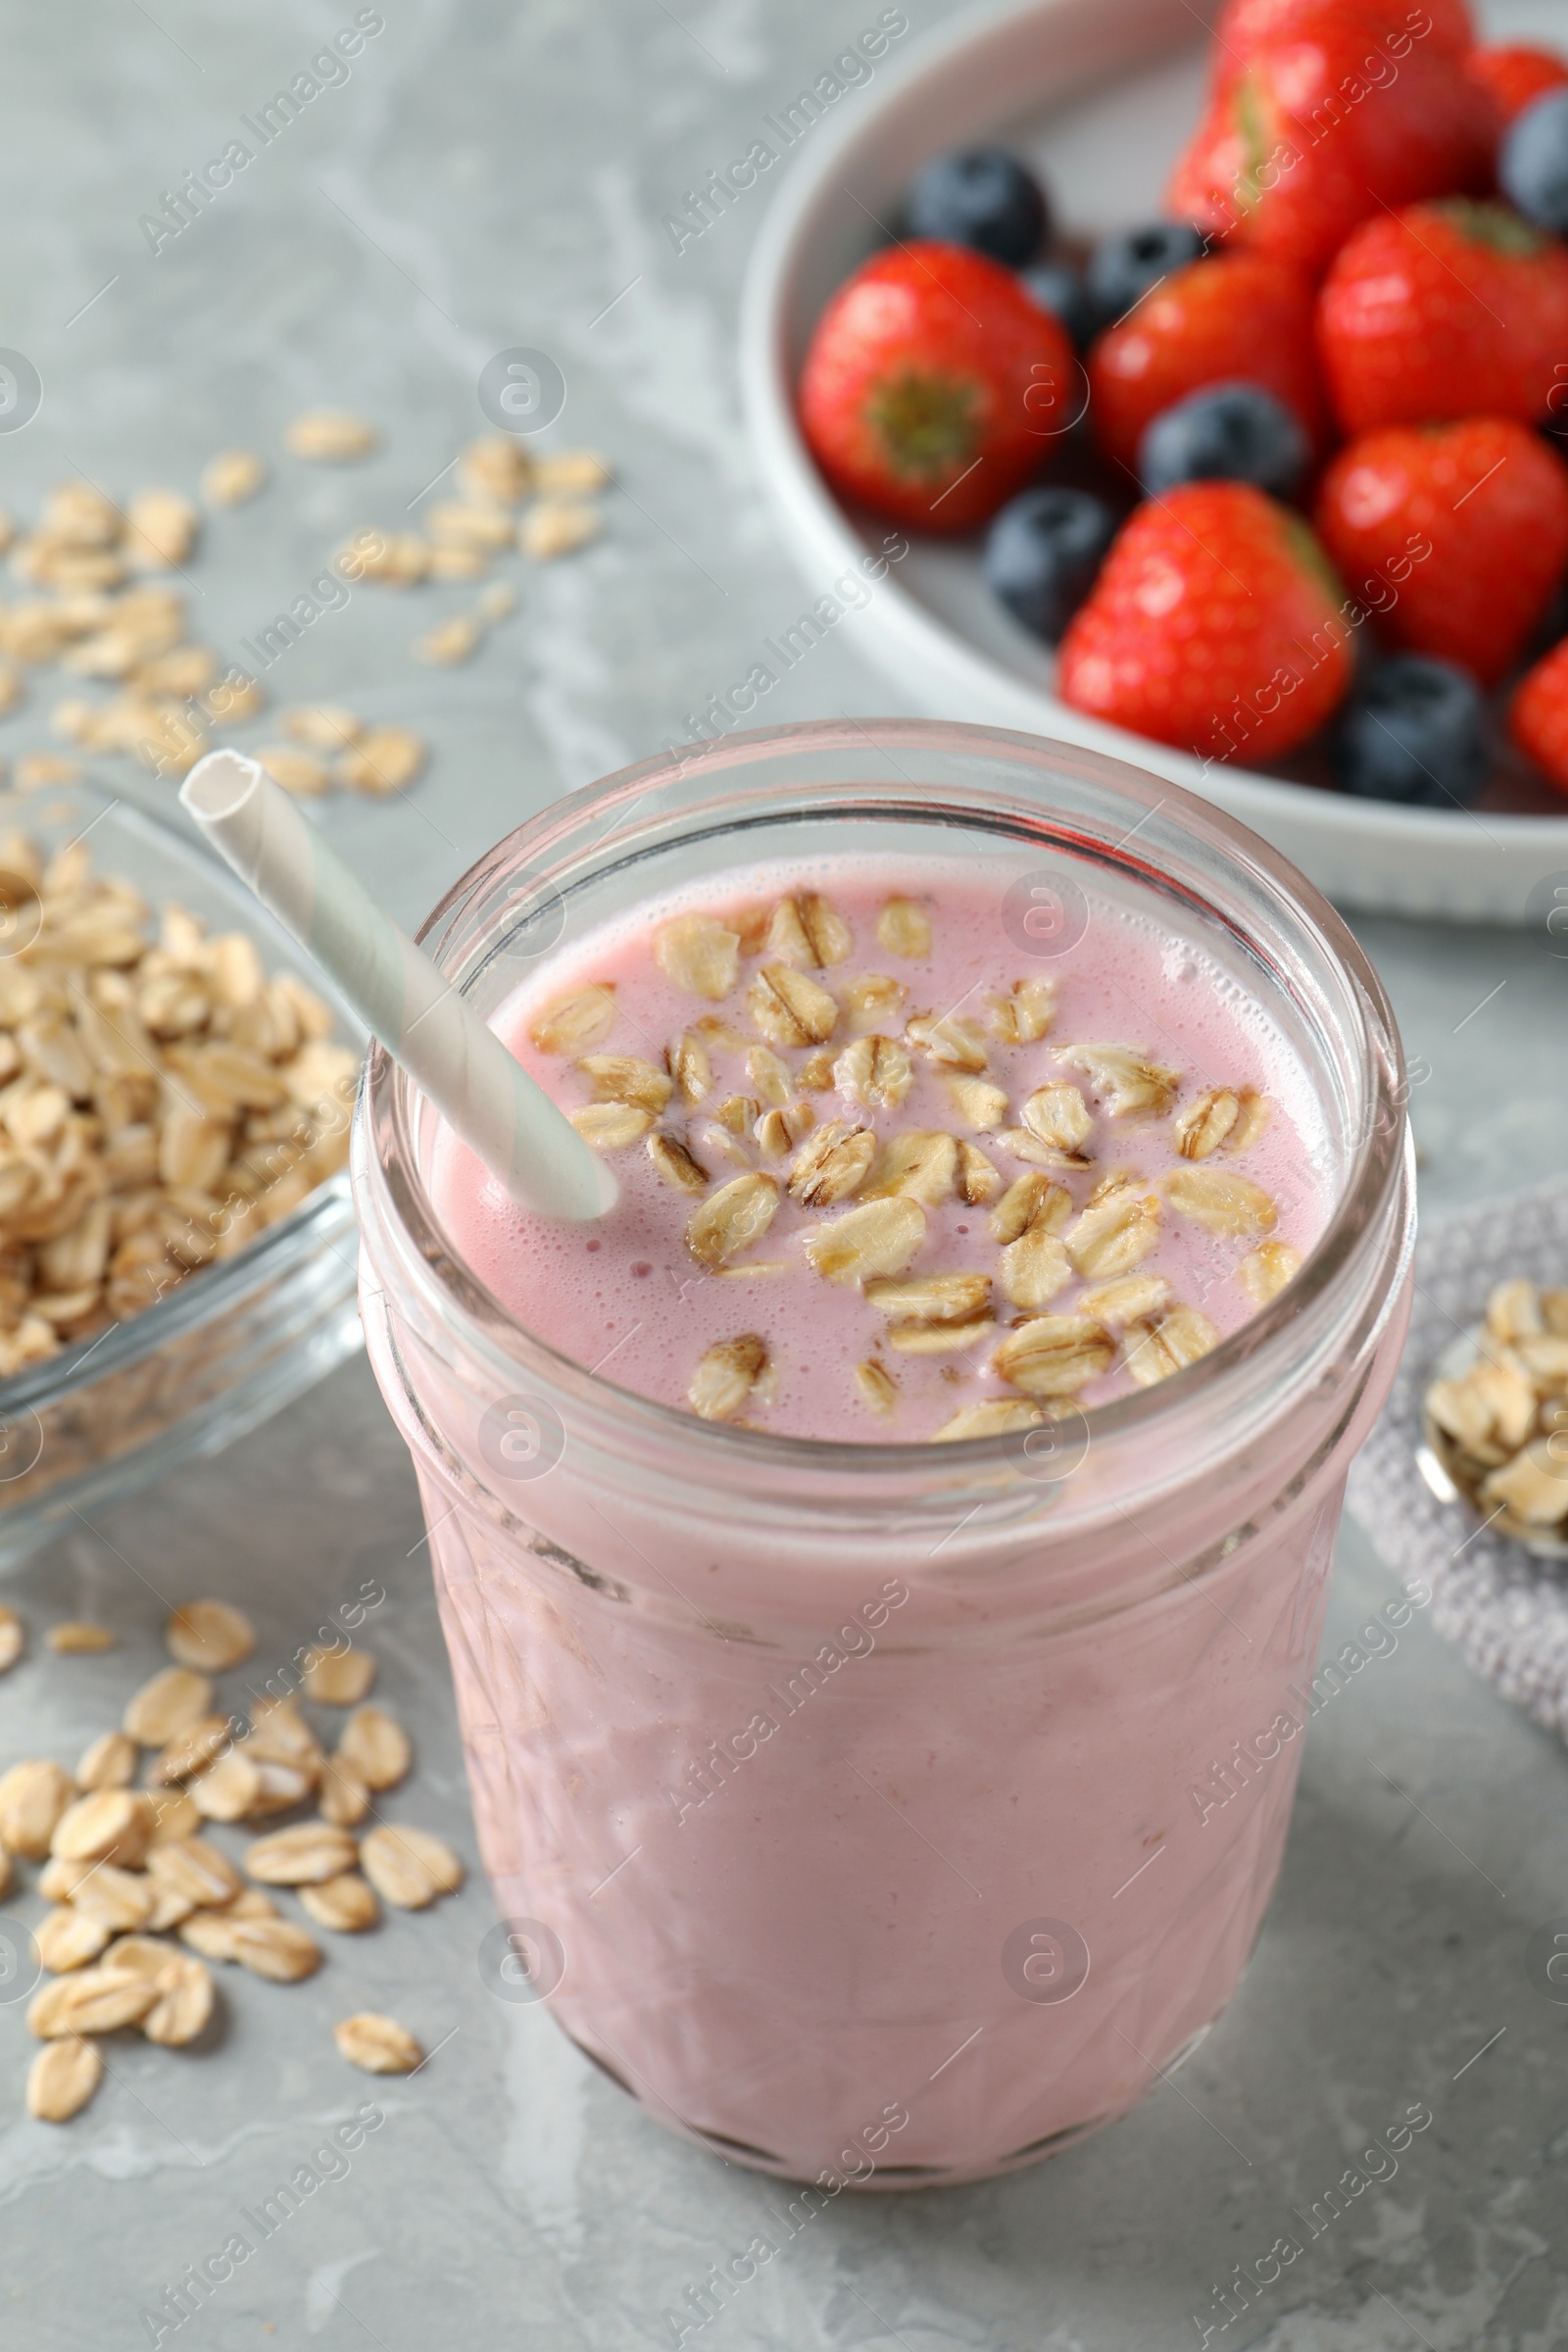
(872, 1806)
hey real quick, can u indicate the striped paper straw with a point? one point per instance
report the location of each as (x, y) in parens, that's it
(423, 1021)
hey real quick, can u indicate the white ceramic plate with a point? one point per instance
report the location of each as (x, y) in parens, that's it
(1100, 93)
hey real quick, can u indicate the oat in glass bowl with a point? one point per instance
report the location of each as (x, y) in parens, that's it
(177, 1246)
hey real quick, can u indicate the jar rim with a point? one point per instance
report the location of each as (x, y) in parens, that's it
(386, 1163)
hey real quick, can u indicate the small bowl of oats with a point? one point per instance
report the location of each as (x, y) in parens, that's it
(1494, 1418)
(177, 1251)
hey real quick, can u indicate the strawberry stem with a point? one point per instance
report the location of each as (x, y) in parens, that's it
(929, 426)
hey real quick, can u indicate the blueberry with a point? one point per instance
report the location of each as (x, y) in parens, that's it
(1125, 267)
(984, 198)
(1532, 165)
(1414, 730)
(1224, 433)
(1059, 288)
(1042, 553)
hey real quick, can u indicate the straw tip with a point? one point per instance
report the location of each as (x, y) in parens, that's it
(220, 785)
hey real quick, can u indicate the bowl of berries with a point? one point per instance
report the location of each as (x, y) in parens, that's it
(1204, 402)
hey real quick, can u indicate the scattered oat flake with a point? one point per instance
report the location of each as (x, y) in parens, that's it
(300, 1856)
(323, 726)
(570, 472)
(384, 759)
(35, 771)
(12, 1637)
(68, 1938)
(469, 522)
(496, 466)
(496, 603)
(185, 2002)
(879, 1237)
(1205, 1122)
(1265, 1270)
(346, 1904)
(878, 1389)
(1222, 1203)
(611, 1126)
(378, 2045)
(209, 1636)
(196, 1868)
(167, 1705)
(580, 1018)
(832, 1165)
(75, 1638)
(330, 437)
(161, 527)
(233, 477)
(390, 560)
(919, 1165)
(299, 771)
(875, 1070)
(457, 565)
(556, 528)
(809, 929)
(451, 641)
(727, 1376)
(731, 1219)
(991, 1417)
(1168, 1344)
(337, 1678)
(409, 1867)
(275, 1949)
(33, 1795)
(904, 928)
(1128, 1080)
(110, 1762)
(108, 1825)
(375, 1747)
(698, 953)
(1055, 1356)
(1026, 1014)
(91, 2000)
(63, 2079)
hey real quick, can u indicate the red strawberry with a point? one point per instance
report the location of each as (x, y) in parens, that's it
(1241, 315)
(1215, 625)
(1446, 310)
(1486, 499)
(1512, 77)
(1312, 133)
(933, 386)
(1538, 719)
(1247, 25)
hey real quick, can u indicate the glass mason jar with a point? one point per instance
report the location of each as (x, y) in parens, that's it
(891, 1813)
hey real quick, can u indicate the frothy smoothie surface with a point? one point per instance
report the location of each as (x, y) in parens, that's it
(885, 1175)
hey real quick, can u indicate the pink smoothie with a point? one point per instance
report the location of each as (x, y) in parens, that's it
(894, 1844)
(636, 1297)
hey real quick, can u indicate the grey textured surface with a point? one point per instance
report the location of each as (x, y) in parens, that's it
(495, 176)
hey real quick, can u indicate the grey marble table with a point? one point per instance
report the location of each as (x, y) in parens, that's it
(491, 175)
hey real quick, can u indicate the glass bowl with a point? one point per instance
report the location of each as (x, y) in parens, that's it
(236, 1340)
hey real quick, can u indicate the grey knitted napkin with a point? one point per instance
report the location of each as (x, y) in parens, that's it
(1504, 1609)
